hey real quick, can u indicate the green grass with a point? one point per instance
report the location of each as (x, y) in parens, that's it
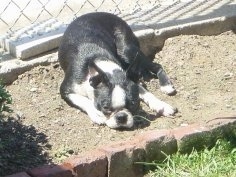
(5, 99)
(219, 161)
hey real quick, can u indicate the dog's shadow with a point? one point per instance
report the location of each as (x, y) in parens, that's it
(142, 120)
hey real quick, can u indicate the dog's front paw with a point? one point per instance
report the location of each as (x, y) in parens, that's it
(97, 116)
(168, 110)
(168, 89)
(163, 108)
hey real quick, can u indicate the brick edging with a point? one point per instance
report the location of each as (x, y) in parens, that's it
(118, 159)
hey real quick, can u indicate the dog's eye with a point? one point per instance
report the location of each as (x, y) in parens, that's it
(132, 102)
(106, 109)
(105, 105)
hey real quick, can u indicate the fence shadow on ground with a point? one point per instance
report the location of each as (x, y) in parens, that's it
(21, 147)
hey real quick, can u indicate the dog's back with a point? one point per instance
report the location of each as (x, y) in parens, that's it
(95, 35)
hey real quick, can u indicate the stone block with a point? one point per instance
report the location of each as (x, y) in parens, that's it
(21, 174)
(122, 157)
(50, 171)
(91, 164)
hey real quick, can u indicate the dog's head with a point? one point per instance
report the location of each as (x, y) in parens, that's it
(116, 96)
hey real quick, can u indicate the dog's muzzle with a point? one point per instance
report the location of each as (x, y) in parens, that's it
(120, 119)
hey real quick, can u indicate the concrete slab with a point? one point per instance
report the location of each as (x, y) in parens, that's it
(152, 24)
(34, 39)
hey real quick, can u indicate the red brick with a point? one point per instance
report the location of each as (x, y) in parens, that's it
(122, 157)
(91, 164)
(153, 135)
(192, 136)
(50, 171)
(220, 121)
(21, 174)
(181, 132)
(223, 127)
(156, 142)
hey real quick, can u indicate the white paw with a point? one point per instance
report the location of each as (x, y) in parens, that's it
(163, 108)
(97, 116)
(168, 110)
(168, 89)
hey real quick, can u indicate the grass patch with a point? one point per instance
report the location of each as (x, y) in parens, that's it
(217, 161)
(5, 99)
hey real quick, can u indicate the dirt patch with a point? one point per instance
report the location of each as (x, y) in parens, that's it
(201, 67)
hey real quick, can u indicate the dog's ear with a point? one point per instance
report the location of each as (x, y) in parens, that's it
(95, 80)
(97, 76)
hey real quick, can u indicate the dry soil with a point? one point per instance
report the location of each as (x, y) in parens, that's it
(202, 68)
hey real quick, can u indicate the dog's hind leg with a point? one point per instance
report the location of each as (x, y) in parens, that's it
(164, 81)
(134, 60)
(141, 65)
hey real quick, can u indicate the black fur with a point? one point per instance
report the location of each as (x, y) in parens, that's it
(100, 34)
(104, 36)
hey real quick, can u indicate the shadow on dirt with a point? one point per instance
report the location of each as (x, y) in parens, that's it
(21, 147)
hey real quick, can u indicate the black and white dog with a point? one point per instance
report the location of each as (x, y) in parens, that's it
(103, 63)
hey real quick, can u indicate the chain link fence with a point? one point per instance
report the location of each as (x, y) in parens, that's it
(15, 14)
(25, 21)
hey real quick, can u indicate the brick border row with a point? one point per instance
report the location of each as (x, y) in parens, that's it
(118, 159)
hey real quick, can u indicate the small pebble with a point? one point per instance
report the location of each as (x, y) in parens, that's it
(205, 45)
(33, 89)
(228, 75)
(20, 115)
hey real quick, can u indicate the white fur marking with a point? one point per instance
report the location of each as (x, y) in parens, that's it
(84, 89)
(107, 66)
(118, 97)
(168, 89)
(87, 105)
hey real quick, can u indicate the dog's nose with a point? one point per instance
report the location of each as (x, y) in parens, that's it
(121, 118)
